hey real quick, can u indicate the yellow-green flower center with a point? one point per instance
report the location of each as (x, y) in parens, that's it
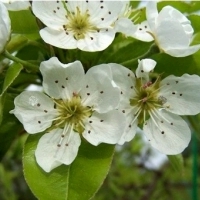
(146, 99)
(72, 112)
(79, 24)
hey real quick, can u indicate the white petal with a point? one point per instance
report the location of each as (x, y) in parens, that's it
(62, 80)
(188, 30)
(96, 41)
(120, 76)
(106, 128)
(168, 12)
(182, 94)
(144, 67)
(183, 52)
(99, 93)
(58, 38)
(168, 133)
(170, 34)
(4, 26)
(49, 155)
(151, 14)
(72, 6)
(125, 26)
(104, 14)
(34, 110)
(143, 32)
(131, 125)
(51, 13)
(17, 5)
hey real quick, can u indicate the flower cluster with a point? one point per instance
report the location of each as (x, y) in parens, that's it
(105, 103)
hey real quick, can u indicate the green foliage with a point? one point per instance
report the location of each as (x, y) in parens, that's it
(12, 73)
(195, 20)
(23, 22)
(177, 66)
(9, 127)
(80, 180)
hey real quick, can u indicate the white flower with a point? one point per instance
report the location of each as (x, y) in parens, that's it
(16, 5)
(5, 28)
(87, 25)
(156, 104)
(170, 29)
(77, 105)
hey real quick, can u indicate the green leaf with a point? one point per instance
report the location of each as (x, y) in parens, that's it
(169, 65)
(179, 5)
(9, 127)
(12, 73)
(80, 180)
(23, 22)
(16, 43)
(194, 6)
(176, 161)
(125, 52)
(195, 21)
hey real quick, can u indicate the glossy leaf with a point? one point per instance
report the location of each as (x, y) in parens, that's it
(168, 65)
(179, 5)
(126, 52)
(195, 21)
(80, 180)
(12, 73)
(23, 22)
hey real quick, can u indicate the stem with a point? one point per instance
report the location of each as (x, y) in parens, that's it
(194, 123)
(37, 44)
(27, 65)
(61, 55)
(52, 52)
(194, 168)
(153, 49)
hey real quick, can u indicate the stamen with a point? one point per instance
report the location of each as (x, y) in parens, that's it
(70, 134)
(158, 115)
(136, 116)
(152, 117)
(65, 130)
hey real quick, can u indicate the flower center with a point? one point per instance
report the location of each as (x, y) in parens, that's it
(146, 99)
(79, 24)
(72, 112)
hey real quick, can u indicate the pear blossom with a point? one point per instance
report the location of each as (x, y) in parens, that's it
(75, 105)
(156, 104)
(170, 29)
(87, 25)
(5, 27)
